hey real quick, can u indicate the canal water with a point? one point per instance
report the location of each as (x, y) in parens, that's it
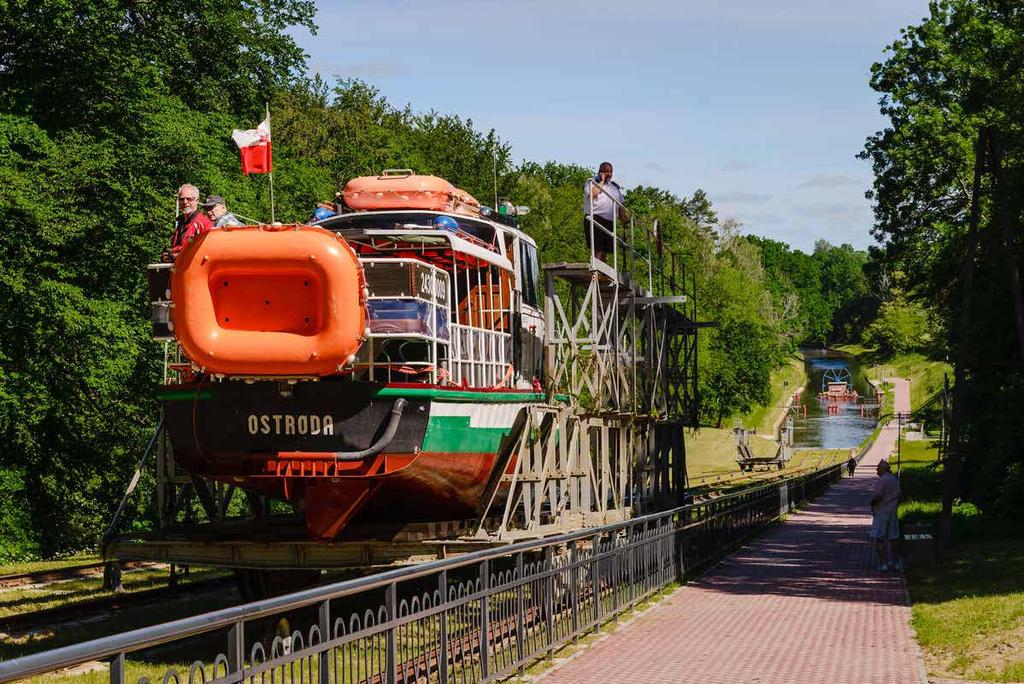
(820, 430)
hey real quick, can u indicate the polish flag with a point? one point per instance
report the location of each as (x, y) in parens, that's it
(254, 146)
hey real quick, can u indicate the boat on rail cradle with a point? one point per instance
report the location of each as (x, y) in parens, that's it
(367, 366)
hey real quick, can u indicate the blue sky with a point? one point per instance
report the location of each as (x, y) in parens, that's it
(764, 104)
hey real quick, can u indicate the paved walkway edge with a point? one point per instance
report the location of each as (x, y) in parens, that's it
(804, 601)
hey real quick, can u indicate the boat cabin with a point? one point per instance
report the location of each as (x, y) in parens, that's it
(450, 299)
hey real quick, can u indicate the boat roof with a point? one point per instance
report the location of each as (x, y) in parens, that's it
(458, 244)
(333, 222)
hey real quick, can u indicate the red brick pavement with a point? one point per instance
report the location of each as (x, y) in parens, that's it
(803, 603)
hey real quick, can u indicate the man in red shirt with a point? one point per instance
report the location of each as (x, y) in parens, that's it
(190, 222)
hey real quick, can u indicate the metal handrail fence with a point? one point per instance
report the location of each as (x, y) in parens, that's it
(472, 618)
(622, 245)
(639, 253)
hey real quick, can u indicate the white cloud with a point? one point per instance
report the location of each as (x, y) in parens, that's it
(736, 165)
(824, 180)
(771, 219)
(656, 167)
(741, 197)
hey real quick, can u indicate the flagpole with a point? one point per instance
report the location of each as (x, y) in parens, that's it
(271, 173)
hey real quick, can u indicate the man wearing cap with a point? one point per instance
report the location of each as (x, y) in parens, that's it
(884, 500)
(191, 222)
(218, 212)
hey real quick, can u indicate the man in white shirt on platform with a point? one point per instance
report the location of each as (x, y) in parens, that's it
(602, 202)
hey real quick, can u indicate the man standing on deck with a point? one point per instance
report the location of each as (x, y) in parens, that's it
(190, 222)
(602, 201)
(884, 529)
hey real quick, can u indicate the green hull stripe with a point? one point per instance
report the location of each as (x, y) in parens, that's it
(453, 434)
(426, 393)
(460, 395)
(183, 395)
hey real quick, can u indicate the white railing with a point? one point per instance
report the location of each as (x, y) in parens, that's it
(433, 294)
(479, 357)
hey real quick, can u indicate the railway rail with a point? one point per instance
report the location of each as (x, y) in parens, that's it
(44, 577)
(471, 618)
(105, 605)
(717, 483)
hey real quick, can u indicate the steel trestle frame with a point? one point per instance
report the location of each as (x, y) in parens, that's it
(473, 618)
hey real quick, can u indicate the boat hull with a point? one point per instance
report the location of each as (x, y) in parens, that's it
(287, 444)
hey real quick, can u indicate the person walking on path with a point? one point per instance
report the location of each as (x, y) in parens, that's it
(851, 466)
(885, 499)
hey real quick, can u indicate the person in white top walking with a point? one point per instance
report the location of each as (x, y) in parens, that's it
(602, 202)
(884, 501)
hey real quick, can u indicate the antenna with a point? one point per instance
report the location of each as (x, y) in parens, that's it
(494, 169)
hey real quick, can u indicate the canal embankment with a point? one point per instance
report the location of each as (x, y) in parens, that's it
(766, 420)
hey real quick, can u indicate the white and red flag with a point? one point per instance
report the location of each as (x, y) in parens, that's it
(254, 146)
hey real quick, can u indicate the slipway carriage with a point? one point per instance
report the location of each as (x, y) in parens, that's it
(389, 384)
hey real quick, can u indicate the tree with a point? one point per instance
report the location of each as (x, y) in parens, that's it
(901, 326)
(955, 75)
(105, 108)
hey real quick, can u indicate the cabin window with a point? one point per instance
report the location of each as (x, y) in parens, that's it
(528, 268)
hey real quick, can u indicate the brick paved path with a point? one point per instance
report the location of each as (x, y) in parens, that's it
(803, 603)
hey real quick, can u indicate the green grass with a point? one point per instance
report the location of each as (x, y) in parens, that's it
(785, 381)
(84, 558)
(969, 610)
(711, 451)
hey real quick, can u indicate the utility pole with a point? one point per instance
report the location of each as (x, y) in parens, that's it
(1003, 214)
(943, 430)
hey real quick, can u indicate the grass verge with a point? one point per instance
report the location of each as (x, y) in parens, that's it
(969, 610)
(712, 451)
(19, 600)
(785, 380)
(84, 558)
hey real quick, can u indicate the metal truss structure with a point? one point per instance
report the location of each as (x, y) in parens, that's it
(482, 617)
(621, 367)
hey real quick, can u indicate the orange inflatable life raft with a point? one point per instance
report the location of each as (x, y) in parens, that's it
(269, 301)
(403, 189)
(465, 204)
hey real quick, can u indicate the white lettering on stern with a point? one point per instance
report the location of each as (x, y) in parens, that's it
(289, 424)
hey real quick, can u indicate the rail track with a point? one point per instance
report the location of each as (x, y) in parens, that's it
(704, 487)
(710, 486)
(103, 606)
(44, 577)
